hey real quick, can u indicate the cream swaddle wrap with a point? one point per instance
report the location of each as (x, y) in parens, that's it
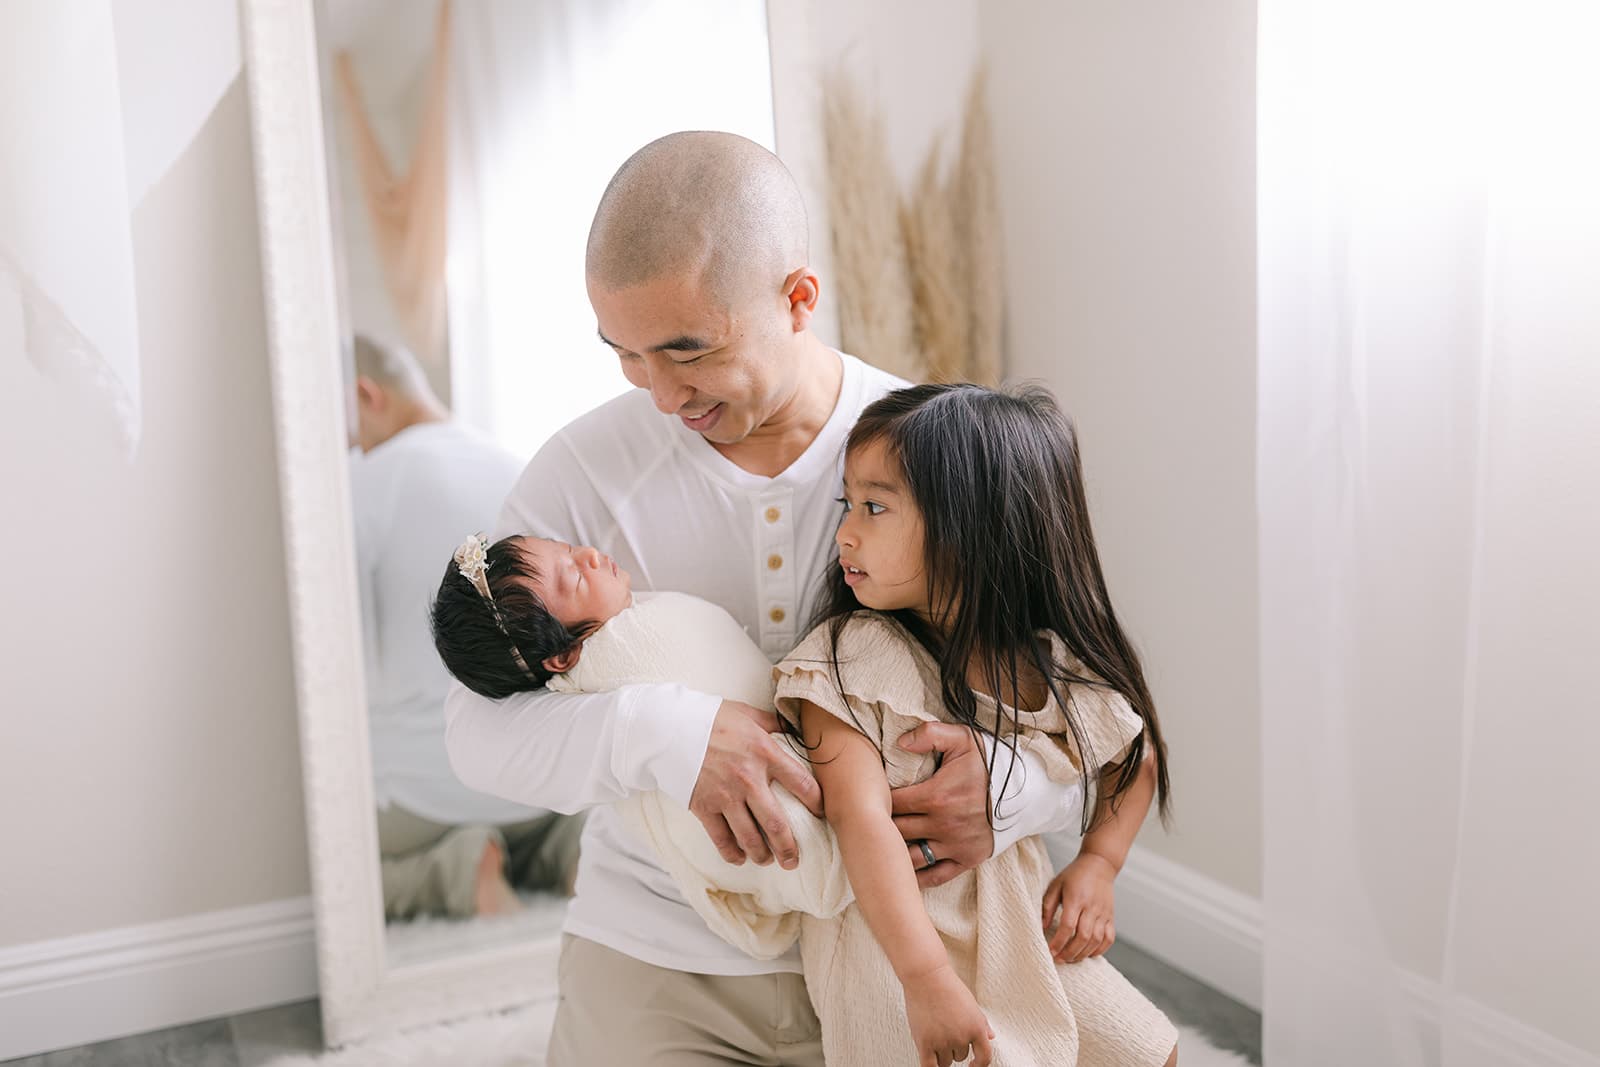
(677, 638)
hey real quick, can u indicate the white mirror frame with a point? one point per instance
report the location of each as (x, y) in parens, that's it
(362, 997)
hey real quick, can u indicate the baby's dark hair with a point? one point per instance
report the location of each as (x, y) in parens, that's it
(480, 642)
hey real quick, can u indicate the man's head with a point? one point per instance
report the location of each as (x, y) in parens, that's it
(698, 271)
(392, 393)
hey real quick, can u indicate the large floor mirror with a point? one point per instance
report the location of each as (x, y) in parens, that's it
(426, 173)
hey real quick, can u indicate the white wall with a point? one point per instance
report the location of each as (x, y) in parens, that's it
(150, 768)
(1125, 134)
(914, 60)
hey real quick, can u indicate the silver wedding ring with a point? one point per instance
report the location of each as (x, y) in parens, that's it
(927, 854)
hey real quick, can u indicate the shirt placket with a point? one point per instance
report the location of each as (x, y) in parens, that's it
(777, 587)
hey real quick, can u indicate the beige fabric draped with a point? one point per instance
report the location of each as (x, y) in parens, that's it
(409, 212)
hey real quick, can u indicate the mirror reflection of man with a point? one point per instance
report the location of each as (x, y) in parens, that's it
(716, 476)
(420, 483)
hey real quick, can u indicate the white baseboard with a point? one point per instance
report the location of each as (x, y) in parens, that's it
(93, 987)
(1197, 925)
(1484, 1036)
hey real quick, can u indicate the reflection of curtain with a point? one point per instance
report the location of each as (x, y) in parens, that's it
(547, 100)
(1429, 464)
(97, 100)
(409, 212)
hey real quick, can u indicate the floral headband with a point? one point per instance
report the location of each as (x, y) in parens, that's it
(472, 560)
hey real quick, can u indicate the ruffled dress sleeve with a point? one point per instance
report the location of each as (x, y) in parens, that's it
(1105, 718)
(877, 679)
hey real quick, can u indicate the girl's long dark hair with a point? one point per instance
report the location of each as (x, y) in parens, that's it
(1009, 552)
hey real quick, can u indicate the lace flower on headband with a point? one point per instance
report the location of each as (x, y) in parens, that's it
(472, 560)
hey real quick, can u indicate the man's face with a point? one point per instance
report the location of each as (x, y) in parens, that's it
(580, 585)
(722, 370)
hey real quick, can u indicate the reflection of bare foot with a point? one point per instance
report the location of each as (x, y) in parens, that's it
(494, 895)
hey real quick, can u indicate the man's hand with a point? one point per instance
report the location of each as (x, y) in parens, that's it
(950, 809)
(733, 796)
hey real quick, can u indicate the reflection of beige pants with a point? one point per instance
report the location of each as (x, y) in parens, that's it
(432, 869)
(616, 1010)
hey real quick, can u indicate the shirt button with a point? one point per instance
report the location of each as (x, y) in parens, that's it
(776, 614)
(773, 514)
(774, 562)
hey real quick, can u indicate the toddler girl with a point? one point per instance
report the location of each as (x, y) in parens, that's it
(969, 590)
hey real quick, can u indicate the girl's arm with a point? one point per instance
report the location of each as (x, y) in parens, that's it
(1114, 830)
(943, 1014)
(1082, 893)
(571, 751)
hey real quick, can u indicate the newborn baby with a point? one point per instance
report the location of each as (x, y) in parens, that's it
(528, 613)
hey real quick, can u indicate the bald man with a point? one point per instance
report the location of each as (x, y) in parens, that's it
(717, 476)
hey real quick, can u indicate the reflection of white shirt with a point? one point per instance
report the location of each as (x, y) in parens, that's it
(415, 497)
(645, 489)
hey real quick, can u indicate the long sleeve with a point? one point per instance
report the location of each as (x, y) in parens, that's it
(571, 751)
(1033, 802)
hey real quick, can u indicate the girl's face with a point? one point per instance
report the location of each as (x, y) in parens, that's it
(880, 537)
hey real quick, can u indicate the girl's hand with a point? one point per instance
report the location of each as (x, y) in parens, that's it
(946, 1022)
(1086, 900)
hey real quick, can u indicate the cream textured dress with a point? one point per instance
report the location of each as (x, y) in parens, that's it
(1043, 1014)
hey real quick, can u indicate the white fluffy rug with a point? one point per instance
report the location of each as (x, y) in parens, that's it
(517, 1039)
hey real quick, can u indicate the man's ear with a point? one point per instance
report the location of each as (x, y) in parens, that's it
(370, 394)
(562, 662)
(801, 289)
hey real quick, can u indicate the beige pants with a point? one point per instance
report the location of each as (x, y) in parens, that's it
(431, 868)
(618, 1012)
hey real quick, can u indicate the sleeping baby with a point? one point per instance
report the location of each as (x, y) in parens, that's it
(527, 613)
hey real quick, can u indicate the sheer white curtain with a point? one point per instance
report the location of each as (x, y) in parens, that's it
(548, 99)
(1429, 480)
(97, 101)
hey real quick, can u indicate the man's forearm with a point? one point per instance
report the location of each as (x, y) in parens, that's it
(571, 751)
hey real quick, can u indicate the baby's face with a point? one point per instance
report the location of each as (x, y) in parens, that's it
(578, 585)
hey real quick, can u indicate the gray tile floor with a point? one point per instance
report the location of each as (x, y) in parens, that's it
(1223, 1020)
(253, 1039)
